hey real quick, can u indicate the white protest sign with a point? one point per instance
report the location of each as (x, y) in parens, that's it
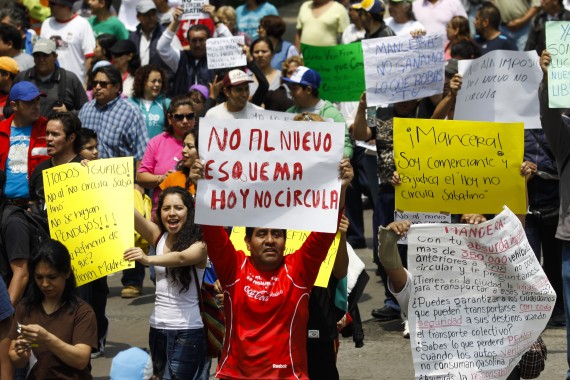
(193, 9)
(479, 298)
(223, 52)
(418, 218)
(279, 174)
(269, 115)
(403, 68)
(500, 86)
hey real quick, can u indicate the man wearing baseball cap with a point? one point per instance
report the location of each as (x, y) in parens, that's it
(8, 72)
(236, 89)
(73, 38)
(64, 91)
(371, 14)
(22, 141)
(304, 85)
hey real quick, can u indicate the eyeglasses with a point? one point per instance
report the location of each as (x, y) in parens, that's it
(102, 83)
(182, 116)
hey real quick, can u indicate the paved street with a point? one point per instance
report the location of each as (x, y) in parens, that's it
(386, 355)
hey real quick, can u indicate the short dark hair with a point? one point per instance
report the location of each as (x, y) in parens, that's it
(141, 76)
(71, 125)
(18, 13)
(467, 49)
(86, 134)
(112, 73)
(106, 40)
(199, 28)
(9, 33)
(181, 100)
(249, 232)
(107, 3)
(274, 26)
(489, 11)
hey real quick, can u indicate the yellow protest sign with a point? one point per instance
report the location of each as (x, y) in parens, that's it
(295, 240)
(90, 211)
(459, 166)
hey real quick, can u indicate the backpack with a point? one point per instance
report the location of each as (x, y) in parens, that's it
(39, 233)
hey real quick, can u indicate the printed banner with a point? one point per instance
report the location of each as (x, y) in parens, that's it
(90, 210)
(558, 45)
(451, 166)
(479, 298)
(193, 9)
(225, 52)
(403, 68)
(341, 69)
(295, 240)
(500, 86)
(279, 174)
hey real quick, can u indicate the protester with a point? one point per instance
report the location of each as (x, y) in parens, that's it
(149, 90)
(52, 322)
(176, 339)
(355, 31)
(8, 72)
(489, 37)
(435, 14)
(371, 13)
(320, 23)
(22, 141)
(125, 57)
(163, 151)
(73, 38)
(11, 46)
(88, 139)
(262, 52)
(103, 44)
(250, 14)
(272, 330)
(457, 30)
(516, 17)
(551, 10)
(15, 15)
(103, 22)
(64, 91)
(190, 66)
(236, 89)
(181, 177)
(304, 84)
(281, 99)
(199, 96)
(402, 20)
(273, 28)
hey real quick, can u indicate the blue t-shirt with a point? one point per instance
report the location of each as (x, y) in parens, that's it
(17, 163)
(248, 21)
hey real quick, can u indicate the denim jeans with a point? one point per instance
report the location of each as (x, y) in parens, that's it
(177, 354)
(566, 288)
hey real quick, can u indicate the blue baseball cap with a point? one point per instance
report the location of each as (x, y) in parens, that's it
(25, 91)
(305, 77)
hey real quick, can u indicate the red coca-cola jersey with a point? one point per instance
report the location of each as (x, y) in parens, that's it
(266, 312)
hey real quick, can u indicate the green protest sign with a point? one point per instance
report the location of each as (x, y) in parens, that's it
(558, 45)
(341, 68)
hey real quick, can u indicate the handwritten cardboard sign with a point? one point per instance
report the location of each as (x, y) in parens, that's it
(459, 166)
(479, 298)
(262, 114)
(403, 68)
(90, 211)
(558, 45)
(193, 9)
(341, 69)
(419, 218)
(270, 173)
(295, 240)
(500, 86)
(225, 52)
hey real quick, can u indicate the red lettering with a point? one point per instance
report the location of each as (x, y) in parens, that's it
(306, 136)
(328, 142)
(263, 174)
(253, 139)
(237, 170)
(207, 169)
(244, 194)
(297, 197)
(221, 199)
(334, 201)
(225, 174)
(277, 199)
(235, 139)
(297, 171)
(281, 170)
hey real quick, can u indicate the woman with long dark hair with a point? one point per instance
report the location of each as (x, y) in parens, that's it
(52, 321)
(176, 338)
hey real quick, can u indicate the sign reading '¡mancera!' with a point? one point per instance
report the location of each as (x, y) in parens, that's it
(280, 174)
(459, 166)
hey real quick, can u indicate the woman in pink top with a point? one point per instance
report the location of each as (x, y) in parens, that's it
(165, 150)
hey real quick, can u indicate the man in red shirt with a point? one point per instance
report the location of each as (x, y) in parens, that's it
(266, 297)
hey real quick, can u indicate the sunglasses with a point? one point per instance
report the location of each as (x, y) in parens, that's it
(182, 116)
(102, 83)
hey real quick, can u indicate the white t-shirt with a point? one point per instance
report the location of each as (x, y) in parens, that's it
(174, 310)
(405, 28)
(74, 41)
(221, 112)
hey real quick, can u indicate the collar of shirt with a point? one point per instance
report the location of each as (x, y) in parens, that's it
(108, 105)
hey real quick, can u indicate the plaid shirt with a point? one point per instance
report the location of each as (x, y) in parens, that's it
(120, 128)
